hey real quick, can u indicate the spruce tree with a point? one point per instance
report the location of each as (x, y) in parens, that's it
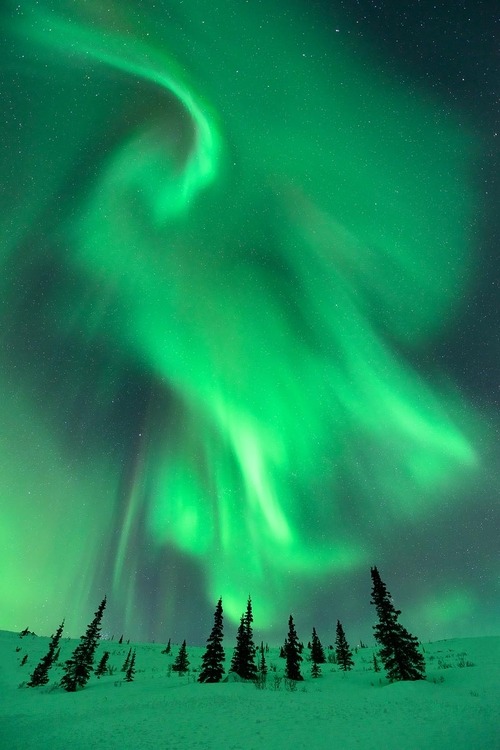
(250, 667)
(399, 649)
(181, 663)
(127, 661)
(293, 657)
(342, 651)
(129, 676)
(77, 669)
(212, 667)
(102, 667)
(167, 648)
(317, 651)
(315, 670)
(239, 653)
(262, 663)
(243, 661)
(24, 660)
(40, 675)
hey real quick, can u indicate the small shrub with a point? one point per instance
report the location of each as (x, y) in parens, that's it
(442, 664)
(463, 662)
(438, 680)
(276, 681)
(260, 681)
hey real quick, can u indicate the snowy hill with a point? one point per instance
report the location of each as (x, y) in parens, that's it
(456, 707)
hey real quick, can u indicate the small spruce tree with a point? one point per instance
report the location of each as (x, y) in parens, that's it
(102, 667)
(181, 663)
(24, 660)
(77, 669)
(127, 661)
(376, 665)
(399, 649)
(262, 662)
(315, 670)
(167, 648)
(129, 675)
(293, 657)
(212, 667)
(342, 651)
(317, 651)
(40, 675)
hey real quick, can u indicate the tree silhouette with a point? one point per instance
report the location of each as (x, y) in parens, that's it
(127, 661)
(342, 651)
(243, 661)
(181, 663)
(292, 653)
(399, 649)
(262, 662)
(315, 670)
(317, 652)
(129, 676)
(102, 667)
(77, 669)
(212, 667)
(40, 674)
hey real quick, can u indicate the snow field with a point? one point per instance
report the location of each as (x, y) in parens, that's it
(456, 707)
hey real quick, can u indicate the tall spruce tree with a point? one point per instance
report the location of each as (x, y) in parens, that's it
(251, 667)
(212, 663)
(292, 653)
(243, 661)
(181, 663)
(77, 669)
(399, 649)
(40, 674)
(317, 651)
(342, 651)
(239, 650)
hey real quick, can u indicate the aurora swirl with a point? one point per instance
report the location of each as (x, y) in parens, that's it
(227, 239)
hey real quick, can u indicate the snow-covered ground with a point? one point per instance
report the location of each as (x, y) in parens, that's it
(456, 707)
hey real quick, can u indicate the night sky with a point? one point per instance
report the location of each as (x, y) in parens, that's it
(249, 315)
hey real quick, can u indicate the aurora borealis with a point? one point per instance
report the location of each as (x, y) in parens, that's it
(238, 254)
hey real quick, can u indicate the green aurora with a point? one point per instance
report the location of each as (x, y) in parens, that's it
(245, 216)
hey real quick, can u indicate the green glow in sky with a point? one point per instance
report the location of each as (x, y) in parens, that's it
(271, 229)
